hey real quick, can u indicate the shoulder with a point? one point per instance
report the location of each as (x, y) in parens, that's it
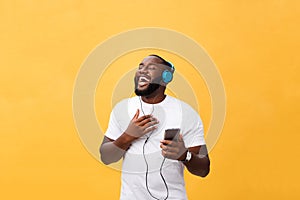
(126, 103)
(188, 113)
(185, 107)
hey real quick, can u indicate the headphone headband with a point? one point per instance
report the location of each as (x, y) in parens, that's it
(171, 66)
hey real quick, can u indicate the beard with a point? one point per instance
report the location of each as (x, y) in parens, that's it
(149, 90)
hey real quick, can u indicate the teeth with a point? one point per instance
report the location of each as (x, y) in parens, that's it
(143, 79)
(141, 84)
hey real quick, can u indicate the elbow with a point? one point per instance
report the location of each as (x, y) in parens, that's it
(200, 172)
(107, 158)
(204, 173)
(103, 157)
(104, 160)
(204, 170)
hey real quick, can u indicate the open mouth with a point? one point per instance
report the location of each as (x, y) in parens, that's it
(143, 81)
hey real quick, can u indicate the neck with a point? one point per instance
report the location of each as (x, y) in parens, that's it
(156, 97)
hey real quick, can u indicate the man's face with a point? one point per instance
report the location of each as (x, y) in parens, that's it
(148, 76)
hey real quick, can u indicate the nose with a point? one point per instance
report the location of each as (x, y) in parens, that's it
(143, 70)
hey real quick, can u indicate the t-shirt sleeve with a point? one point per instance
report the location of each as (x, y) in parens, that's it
(118, 121)
(114, 130)
(193, 133)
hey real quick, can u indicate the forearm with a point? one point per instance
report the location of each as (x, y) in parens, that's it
(198, 165)
(110, 153)
(113, 151)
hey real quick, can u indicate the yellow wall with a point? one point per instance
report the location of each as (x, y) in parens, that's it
(255, 45)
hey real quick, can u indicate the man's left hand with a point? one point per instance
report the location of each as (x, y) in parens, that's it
(174, 149)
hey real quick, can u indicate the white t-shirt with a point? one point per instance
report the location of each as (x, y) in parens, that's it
(171, 113)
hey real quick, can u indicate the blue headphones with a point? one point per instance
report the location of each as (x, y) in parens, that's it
(167, 75)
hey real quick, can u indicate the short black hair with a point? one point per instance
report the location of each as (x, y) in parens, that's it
(169, 64)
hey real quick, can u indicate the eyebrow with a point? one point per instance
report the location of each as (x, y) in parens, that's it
(149, 64)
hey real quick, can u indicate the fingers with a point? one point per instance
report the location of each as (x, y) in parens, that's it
(150, 129)
(140, 126)
(170, 155)
(166, 142)
(170, 152)
(173, 149)
(136, 115)
(174, 141)
(150, 126)
(144, 121)
(169, 148)
(180, 138)
(148, 122)
(142, 118)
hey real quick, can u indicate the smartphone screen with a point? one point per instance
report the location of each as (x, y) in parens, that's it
(171, 134)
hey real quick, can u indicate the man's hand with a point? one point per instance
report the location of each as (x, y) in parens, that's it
(140, 126)
(173, 149)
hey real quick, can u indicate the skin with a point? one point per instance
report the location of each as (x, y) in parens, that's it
(113, 150)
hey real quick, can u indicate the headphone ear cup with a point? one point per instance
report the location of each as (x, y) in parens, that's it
(167, 76)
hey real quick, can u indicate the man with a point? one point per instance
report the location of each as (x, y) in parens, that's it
(152, 165)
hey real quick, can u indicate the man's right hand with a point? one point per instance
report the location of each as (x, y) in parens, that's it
(140, 126)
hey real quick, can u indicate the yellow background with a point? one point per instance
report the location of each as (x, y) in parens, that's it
(255, 45)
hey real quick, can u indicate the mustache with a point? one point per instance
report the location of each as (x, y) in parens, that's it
(156, 80)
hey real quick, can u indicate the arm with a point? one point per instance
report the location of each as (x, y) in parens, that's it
(113, 150)
(198, 165)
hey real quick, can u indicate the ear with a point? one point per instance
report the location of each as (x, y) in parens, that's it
(167, 76)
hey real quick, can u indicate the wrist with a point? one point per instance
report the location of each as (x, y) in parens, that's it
(127, 138)
(187, 156)
(183, 156)
(124, 141)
